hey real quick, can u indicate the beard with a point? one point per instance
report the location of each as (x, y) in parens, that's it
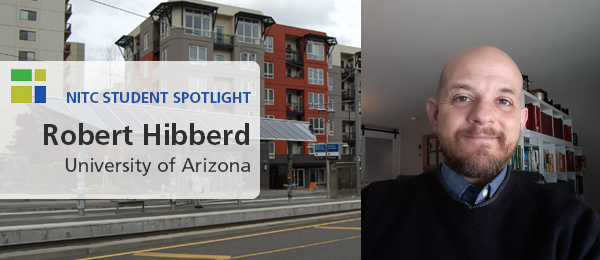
(484, 162)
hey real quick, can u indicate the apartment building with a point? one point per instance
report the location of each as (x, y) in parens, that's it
(195, 31)
(295, 79)
(296, 88)
(345, 71)
(34, 30)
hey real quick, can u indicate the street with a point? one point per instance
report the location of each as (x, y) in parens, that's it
(329, 240)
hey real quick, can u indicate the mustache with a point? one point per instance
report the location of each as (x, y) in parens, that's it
(475, 130)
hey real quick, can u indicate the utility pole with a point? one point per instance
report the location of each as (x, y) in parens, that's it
(357, 132)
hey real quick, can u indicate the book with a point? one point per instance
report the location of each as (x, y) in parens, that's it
(546, 126)
(533, 119)
(526, 160)
(558, 128)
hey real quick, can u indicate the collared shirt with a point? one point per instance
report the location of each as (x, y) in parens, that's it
(468, 192)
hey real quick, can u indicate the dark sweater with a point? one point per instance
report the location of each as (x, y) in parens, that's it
(418, 219)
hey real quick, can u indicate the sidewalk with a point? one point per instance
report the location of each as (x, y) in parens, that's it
(38, 221)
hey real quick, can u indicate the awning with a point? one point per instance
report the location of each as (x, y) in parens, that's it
(117, 116)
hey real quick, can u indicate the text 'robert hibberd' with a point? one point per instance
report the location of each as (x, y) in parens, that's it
(144, 167)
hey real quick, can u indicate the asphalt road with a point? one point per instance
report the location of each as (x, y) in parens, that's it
(330, 240)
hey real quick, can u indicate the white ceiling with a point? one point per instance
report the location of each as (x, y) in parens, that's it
(405, 45)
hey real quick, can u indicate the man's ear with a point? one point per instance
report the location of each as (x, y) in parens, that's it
(524, 115)
(432, 112)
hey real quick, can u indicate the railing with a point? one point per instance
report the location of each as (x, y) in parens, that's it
(69, 8)
(348, 136)
(222, 39)
(348, 93)
(347, 72)
(293, 56)
(68, 27)
(295, 107)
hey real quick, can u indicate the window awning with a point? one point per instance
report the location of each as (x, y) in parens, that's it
(117, 116)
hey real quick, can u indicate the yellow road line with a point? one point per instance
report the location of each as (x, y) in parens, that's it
(153, 254)
(216, 240)
(348, 228)
(296, 247)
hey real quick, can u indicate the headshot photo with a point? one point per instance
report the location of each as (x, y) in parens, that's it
(478, 122)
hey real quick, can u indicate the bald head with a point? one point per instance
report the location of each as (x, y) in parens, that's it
(485, 60)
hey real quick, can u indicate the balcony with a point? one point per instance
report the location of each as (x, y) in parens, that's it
(223, 40)
(293, 57)
(348, 137)
(348, 72)
(294, 108)
(67, 30)
(68, 11)
(156, 47)
(67, 51)
(348, 94)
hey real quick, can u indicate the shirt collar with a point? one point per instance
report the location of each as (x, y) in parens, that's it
(458, 185)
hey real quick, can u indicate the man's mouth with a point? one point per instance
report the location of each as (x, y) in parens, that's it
(482, 137)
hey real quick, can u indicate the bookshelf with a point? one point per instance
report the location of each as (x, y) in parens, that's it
(551, 153)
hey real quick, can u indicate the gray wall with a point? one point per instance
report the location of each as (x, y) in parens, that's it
(584, 107)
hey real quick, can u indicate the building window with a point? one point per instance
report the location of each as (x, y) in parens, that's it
(197, 22)
(330, 128)
(330, 105)
(26, 35)
(269, 44)
(330, 61)
(269, 97)
(220, 58)
(247, 31)
(249, 87)
(315, 50)
(244, 56)
(145, 68)
(165, 27)
(271, 150)
(197, 55)
(197, 84)
(311, 148)
(248, 113)
(163, 85)
(26, 56)
(315, 76)
(329, 82)
(164, 58)
(316, 100)
(269, 70)
(247, 58)
(317, 124)
(28, 15)
(270, 116)
(146, 41)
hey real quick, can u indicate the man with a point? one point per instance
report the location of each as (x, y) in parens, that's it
(474, 206)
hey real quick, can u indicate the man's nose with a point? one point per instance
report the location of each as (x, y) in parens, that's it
(482, 112)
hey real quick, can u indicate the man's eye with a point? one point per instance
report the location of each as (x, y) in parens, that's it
(462, 99)
(504, 102)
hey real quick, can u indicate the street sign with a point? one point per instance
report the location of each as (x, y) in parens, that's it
(329, 151)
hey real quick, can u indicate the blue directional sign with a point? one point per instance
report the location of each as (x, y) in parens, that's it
(320, 148)
(332, 152)
(333, 148)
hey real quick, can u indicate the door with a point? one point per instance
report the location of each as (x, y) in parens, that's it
(219, 34)
(299, 178)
